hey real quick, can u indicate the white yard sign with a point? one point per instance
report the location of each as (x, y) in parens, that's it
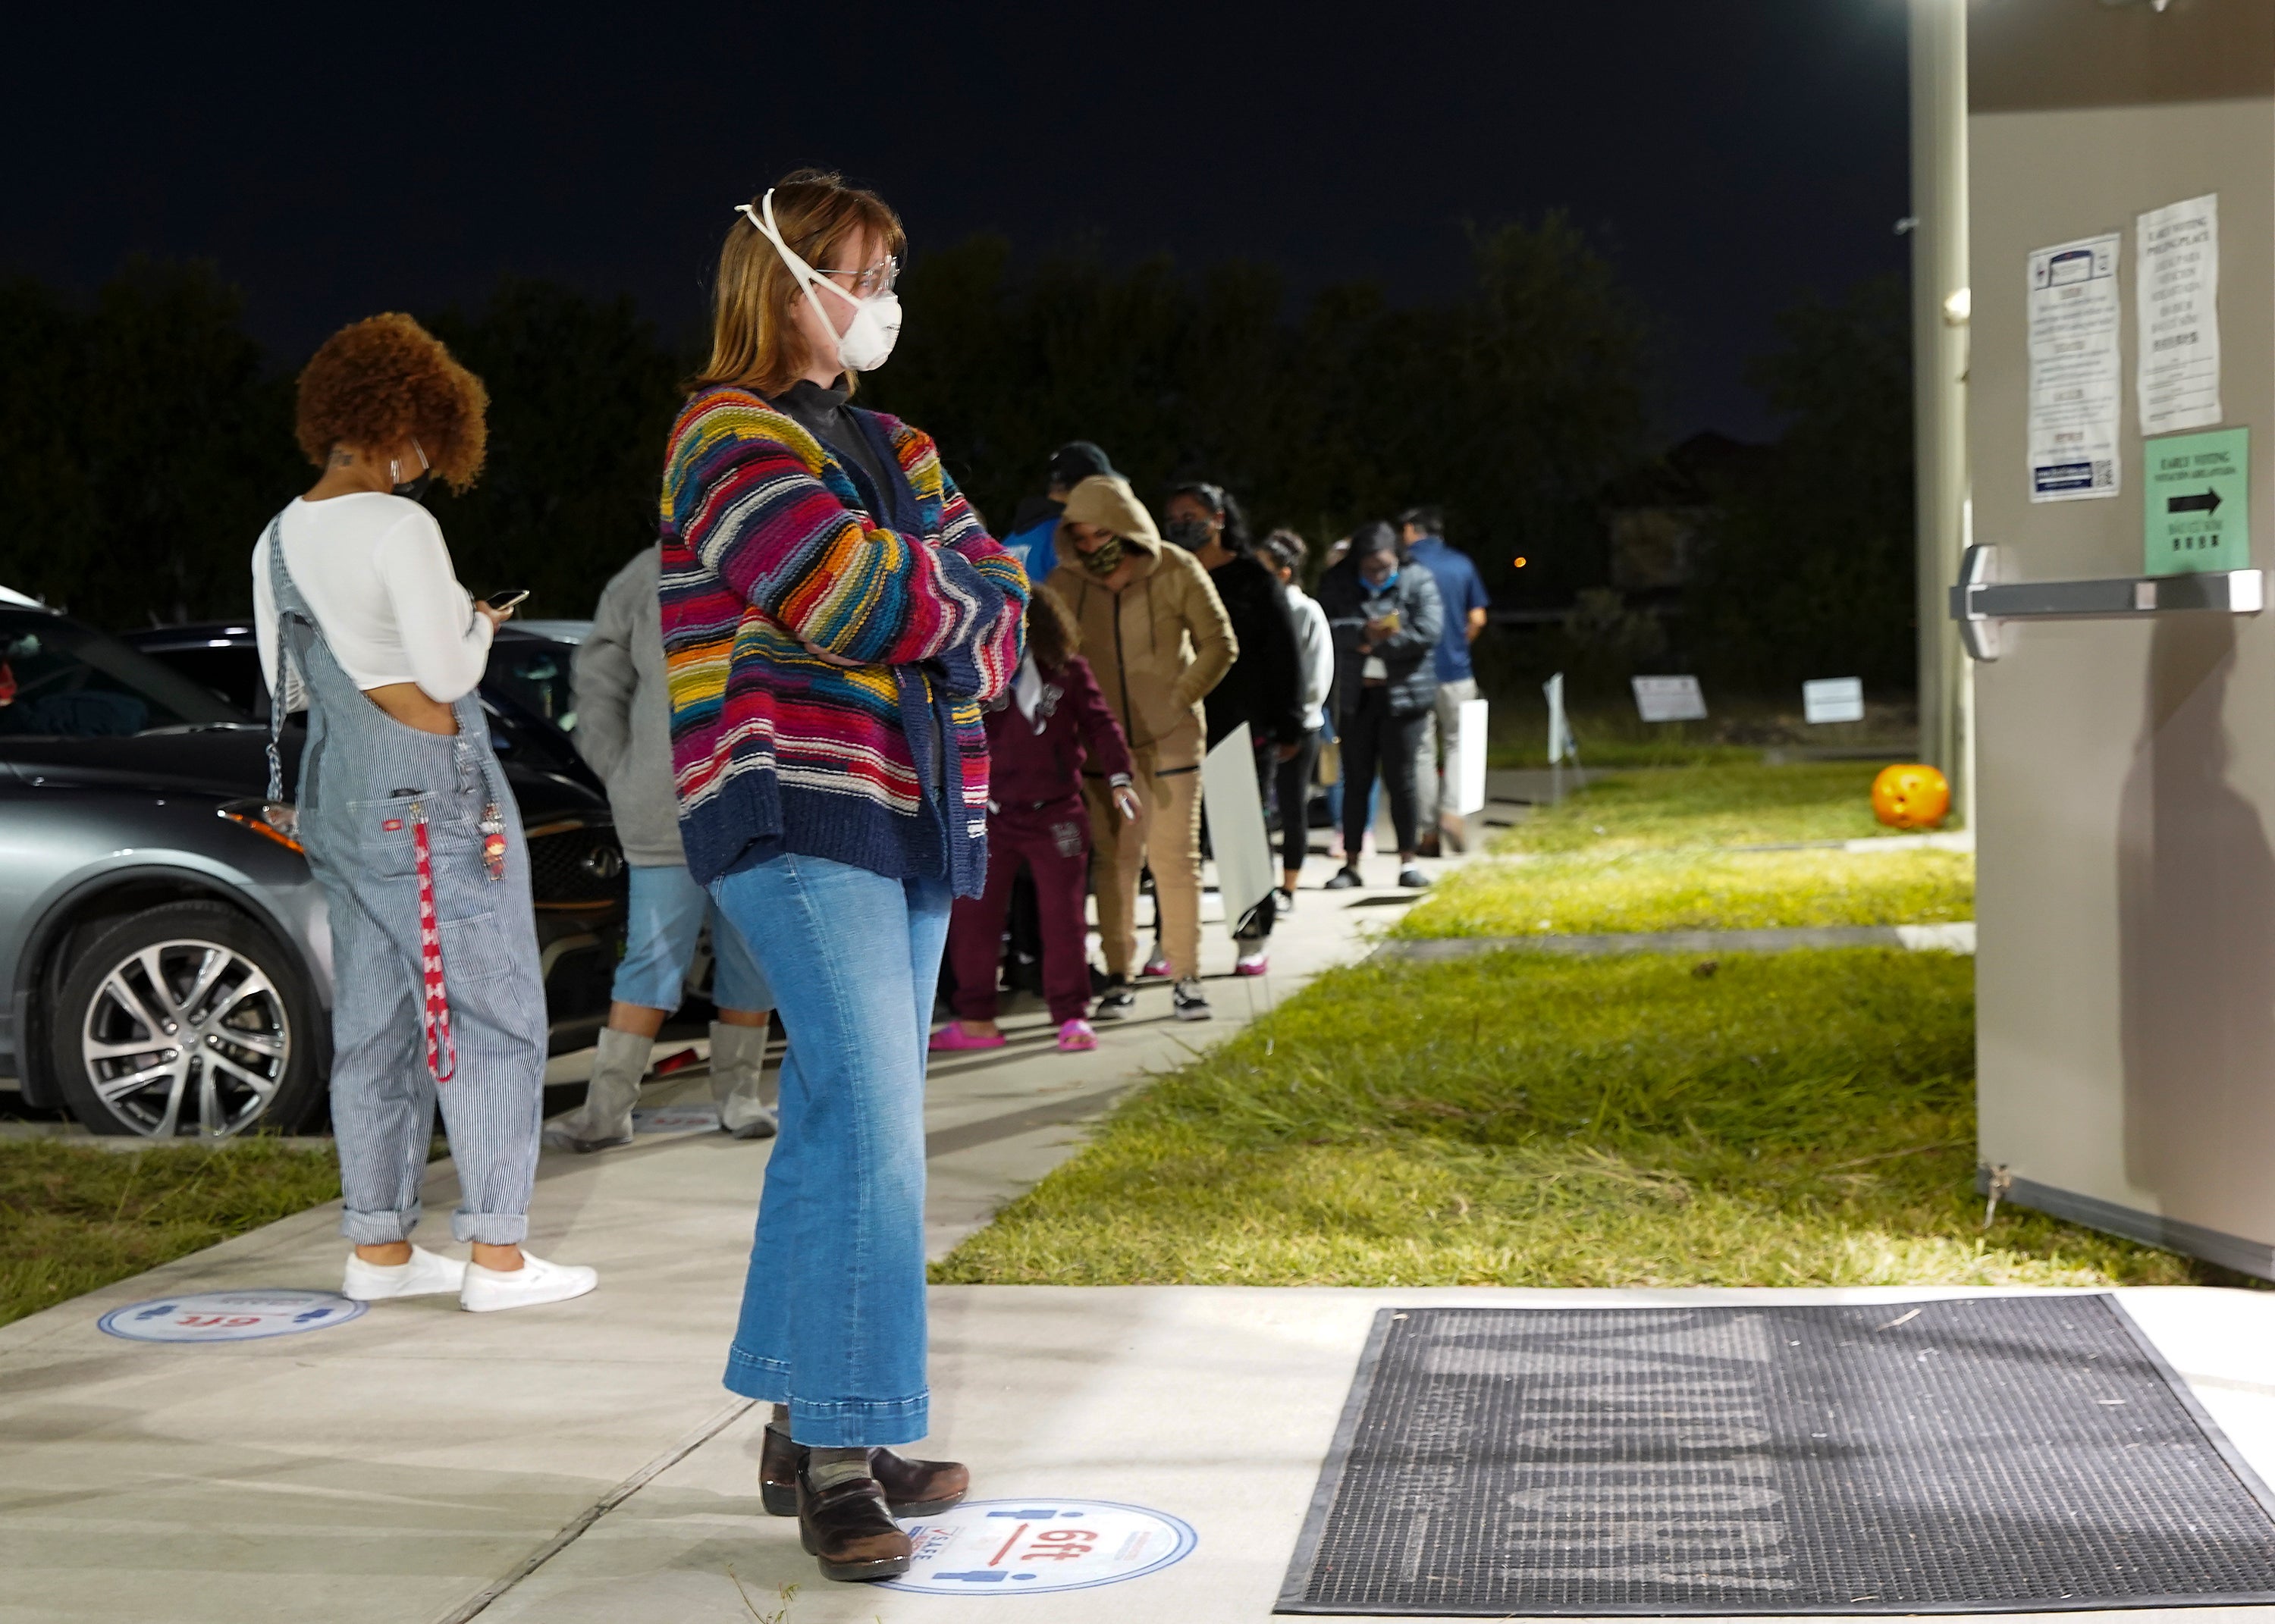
(2178, 260)
(1559, 727)
(2075, 380)
(1237, 836)
(1469, 763)
(1833, 699)
(1668, 699)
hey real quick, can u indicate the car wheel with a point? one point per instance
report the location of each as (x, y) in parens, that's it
(187, 1019)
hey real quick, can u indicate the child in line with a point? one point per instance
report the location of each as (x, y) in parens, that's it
(1041, 737)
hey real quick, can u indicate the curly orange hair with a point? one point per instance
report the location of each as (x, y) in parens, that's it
(380, 382)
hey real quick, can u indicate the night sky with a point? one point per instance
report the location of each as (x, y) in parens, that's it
(1729, 154)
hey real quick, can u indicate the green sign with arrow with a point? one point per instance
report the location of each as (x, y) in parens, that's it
(2198, 497)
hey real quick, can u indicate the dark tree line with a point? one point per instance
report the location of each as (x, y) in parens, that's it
(144, 438)
(1811, 568)
(1510, 404)
(143, 441)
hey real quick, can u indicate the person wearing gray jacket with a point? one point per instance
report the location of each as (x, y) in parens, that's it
(623, 730)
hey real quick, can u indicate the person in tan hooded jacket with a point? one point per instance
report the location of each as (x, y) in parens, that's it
(1158, 637)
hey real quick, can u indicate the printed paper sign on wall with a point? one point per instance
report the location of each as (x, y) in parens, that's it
(2074, 370)
(2178, 248)
(2197, 502)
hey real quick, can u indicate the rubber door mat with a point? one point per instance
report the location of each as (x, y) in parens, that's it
(1987, 1455)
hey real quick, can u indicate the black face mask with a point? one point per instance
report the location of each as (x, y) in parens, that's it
(1190, 534)
(415, 489)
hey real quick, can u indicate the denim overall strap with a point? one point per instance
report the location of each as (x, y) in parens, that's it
(290, 683)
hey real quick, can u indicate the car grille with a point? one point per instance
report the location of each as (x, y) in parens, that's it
(575, 865)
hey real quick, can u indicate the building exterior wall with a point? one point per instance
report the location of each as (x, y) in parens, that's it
(2126, 907)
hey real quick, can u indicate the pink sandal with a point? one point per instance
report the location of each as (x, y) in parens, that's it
(1077, 1035)
(953, 1035)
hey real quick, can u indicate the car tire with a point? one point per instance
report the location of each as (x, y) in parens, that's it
(187, 1018)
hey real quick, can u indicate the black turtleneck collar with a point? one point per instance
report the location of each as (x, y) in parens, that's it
(824, 414)
(810, 397)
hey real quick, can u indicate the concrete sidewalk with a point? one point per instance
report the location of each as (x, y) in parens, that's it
(424, 1465)
(404, 1466)
(420, 1465)
(1216, 1404)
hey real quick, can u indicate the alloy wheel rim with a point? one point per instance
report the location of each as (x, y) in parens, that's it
(187, 1030)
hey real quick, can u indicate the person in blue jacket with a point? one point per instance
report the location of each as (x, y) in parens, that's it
(1462, 592)
(1033, 526)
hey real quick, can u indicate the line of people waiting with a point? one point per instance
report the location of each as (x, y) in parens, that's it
(1191, 632)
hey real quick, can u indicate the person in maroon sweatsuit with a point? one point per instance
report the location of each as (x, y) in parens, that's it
(1042, 736)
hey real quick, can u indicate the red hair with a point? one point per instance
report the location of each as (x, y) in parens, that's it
(378, 383)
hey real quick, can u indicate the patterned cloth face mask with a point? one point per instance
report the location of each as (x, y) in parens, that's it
(1103, 559)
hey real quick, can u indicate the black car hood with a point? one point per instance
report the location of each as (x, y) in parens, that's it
(229, 763)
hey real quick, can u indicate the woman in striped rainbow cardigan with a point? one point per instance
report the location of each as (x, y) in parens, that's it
(833, 618)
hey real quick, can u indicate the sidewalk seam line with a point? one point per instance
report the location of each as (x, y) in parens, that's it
(480, 1601)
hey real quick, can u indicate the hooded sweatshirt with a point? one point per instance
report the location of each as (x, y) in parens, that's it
(1160, 643)
(624, 714)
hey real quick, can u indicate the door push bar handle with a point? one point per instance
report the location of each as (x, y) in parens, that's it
(1981, 601)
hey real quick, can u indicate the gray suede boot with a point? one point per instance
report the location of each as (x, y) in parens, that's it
(605, 1119)
(738, 1063)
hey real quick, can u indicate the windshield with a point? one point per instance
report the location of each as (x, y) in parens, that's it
(62, 680)
(536, 672)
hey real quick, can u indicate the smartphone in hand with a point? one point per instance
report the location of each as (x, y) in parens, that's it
(503, 602)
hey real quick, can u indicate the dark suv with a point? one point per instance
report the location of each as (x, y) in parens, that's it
(168, 954)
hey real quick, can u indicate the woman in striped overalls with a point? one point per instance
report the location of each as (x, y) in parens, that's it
(407, 822)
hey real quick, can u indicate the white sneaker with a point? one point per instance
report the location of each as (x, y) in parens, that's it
(425, 1275)
(534, 1282)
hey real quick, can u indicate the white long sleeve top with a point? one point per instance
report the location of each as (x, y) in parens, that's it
(1317, 647)
(375, 570)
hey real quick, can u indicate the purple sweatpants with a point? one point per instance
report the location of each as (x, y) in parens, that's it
(1053, 843)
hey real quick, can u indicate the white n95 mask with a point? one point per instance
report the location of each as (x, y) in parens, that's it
(868, 339)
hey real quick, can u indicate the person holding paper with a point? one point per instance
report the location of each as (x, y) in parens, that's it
(1264, 686)
(1463, 591)
(1386, 616)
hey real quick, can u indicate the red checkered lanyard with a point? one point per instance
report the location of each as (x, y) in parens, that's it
(442, 1049)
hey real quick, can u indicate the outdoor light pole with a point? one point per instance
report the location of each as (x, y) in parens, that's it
(1939, 333)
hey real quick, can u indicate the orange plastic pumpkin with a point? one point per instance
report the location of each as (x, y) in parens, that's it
(1912, 796)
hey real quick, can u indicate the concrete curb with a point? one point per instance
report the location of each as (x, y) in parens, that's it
(1956, 937)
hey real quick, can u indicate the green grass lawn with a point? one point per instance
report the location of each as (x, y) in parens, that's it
(1668, 850)
(73, 1217)
(1668, 891)
(1782, 1120)
(1720, 806)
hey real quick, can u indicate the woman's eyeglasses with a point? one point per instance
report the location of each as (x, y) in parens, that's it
(879, 278)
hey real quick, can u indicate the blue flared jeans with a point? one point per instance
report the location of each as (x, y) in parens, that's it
(833, 1320)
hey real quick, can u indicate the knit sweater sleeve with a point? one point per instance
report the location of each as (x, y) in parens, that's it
(744, 491)
(981, 667)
